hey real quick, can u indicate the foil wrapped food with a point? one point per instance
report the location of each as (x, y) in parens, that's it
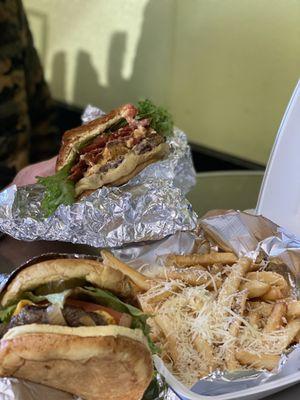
(150, 206)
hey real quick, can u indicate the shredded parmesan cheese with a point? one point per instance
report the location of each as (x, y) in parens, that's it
(193, 328)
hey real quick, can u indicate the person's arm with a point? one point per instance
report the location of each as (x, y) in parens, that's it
(44, 132)
(28, 131)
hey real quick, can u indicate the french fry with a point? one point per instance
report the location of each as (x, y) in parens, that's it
(275, 320)
(156, 333)
(257, 361)
(254, 318)
(139, 279)
(255, 267)
(270, 278)
(214, 323)
(240, 306)
(201, 259)
(164, 295)
(206, 350)
(215, 269)
(232, 282)
(258, 312)
(273, 294)
(171, 342)
(145, 305)
(193, 277)
(261, 308)
(292, 330)
(255, 288)
(193, 268)
(293, 310)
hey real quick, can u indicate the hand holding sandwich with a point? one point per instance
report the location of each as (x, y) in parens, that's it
(28, 175)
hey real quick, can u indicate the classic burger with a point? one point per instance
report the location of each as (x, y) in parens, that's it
(66, 324)
(107, 151)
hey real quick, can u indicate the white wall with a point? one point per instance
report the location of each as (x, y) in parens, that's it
(225, 68)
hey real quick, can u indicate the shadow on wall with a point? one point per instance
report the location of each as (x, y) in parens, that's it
(58, 84)
(151, 69)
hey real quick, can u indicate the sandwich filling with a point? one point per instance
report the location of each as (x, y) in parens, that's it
(138, 132)
(77, 306)
(108, 150)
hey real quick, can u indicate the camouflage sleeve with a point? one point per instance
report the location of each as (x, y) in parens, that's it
(27, 130)
(45, 137)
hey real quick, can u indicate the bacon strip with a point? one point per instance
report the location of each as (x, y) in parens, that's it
(91, 153)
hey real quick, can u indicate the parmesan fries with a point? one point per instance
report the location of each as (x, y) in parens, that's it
(215, 311)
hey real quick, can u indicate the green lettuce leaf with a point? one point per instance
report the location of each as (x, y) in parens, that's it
(110, 300)
(6, 313)
(117, 125)
(160, 119)
(59, 190)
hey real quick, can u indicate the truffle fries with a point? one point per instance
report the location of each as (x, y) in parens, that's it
(214, 311)
(229, 314)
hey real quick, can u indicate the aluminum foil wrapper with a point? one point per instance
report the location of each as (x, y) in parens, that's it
(149, 207)
(17, 389)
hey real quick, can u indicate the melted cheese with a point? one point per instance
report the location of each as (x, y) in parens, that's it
(107, 317)
(21, 305)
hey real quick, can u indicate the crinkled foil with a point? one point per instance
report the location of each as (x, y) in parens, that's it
(17, 389)
(150, 206)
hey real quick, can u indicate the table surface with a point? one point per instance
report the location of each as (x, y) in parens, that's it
(213, 190)
(15, 252)
(291, 393)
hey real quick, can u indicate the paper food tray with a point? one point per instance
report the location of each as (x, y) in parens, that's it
(280, 382)
(279, 198)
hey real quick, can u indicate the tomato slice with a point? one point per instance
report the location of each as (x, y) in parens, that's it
(92, 307)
